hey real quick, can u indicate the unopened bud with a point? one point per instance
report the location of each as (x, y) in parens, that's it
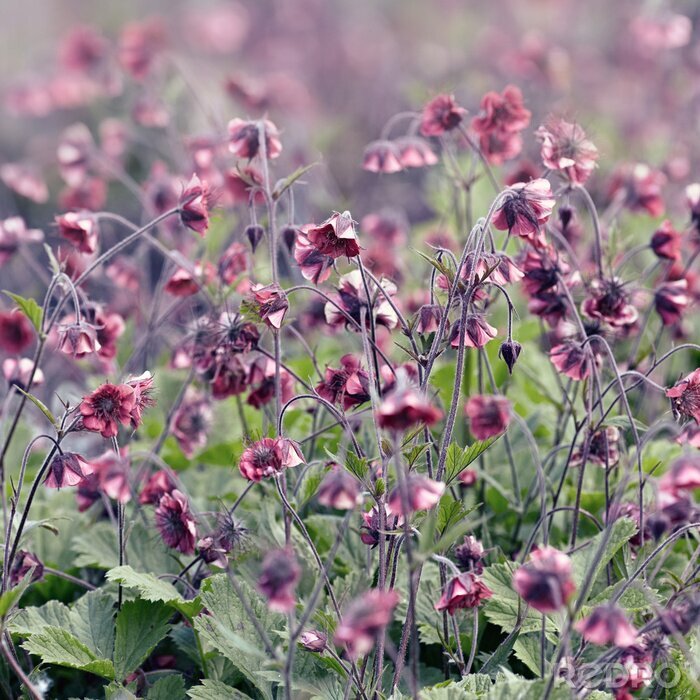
(254, 233)
(509, 353)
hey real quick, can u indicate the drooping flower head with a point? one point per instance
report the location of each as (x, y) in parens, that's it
(313, 640)
(23, 563)
(488, 415)
(66, 469)
(315, 266)
(671, 300)
(176, 523)
(278, 578)
(347, 386)
(339, 489)
(415, 152)
(609, 302)
(477, 332)
(382, 157)
(526, 207)
(143, 396)
(261, 378)
(566, 148)
(682, 475)
(335, 237)
(16, 332)
(406, 407)
(608, 624)
(158, 484)
(13, 233)
(441, 114)
(685, 396)
(544, 582)
(372, 530)
(464, 591)
(80, 229)
(113, 472)
(194, 205)
(470, 555)
(422, 494)
(268, 457)
(666, 242)
(270, 303)
(571, 359)
(18, 372)
(364, 619)
(191, 422)
(78, 339)
(244, 138)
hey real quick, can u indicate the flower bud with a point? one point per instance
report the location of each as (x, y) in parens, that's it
(254, 234)
(509, 353)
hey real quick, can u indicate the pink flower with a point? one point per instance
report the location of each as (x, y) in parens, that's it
(315, 266)
(683, 475)
(80, 229)
(423, 494)
(74, 153)
(429, 317)
(66, 469)
(313, 640)
(113, 472)
(78, 339)
(463, 591)
(268, 457)
(335, 237)
(352, 300)
(488, 415)
(16, 332)
(404, 408)
(382, 157)
(415, 152)
(372, 529)
(685, 396)
(270, 304)
(233, 262)
(17, 372)
(25, 181)
(194, 206)
(90, 195)
(470, 555)
(441, 114)
(525, 209)
(566, 148)
(339, 490)
(544, 582)
(139, 46)
(640, 188)
(570, 359)
(607, 624)
(278, 578)
(348, 385)
(602, 449)
(261, 378)
(176, 523)
(666, 242)
(244, 138)
(13, 233)
(609, 302)
(671, 300)
(364, 619)
(108, 406)
(23, 563)
(477, 332)
(190, 424)
(187, 282)
(243, 185)
(158, 484)
(143, 389)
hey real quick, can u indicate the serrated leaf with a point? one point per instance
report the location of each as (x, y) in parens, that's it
(28, 307)
(356, 465)
(527, 649)
(154, 589)
(92, 622)
(58, 646)
(215, 690)
(170, 687)
(458, 458)
(140, 626)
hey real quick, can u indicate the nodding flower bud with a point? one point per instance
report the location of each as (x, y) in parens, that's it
(313, 640)
(254, 234)
(289, 237)
(509, 353)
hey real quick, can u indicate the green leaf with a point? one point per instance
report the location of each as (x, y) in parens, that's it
(58, 646)
(285, 184)
(170, 687)
(527, 649)
(154, 589)
(40, 405)
(141, 624)
(356, 466)
(215, 690)
(29, 308)
(458, 458)
(10, 598)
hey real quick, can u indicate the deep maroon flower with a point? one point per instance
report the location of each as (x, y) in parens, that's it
(16, 332)
(109, 328)
(244, 138)
(682, 617)
(278, 578)
(190, 424)
(243, 185)
(488, 415)
(23, 563)
(683, 475)
(382, 157)
(551, 306)
(429, 317)
(261, 378)
(158, 484)
(270, 304)
(17, 372)
(541, 270)
(666, 242)
(339, 490)
(348, 386)
(463, 591)
(352, 300)
(422, 494)
(66, 469)
(268, 457)
(509, 352)
(186, 282)
(404, 408)
(570, 359)
(194, 206)
(639, 187)
(609, 302)
(607, 624)
(233, 262)
(313, 640)
(566, 148)
(335, 237)
(78, 339)
(685, 396)
(176, 523)
(526, 207)
(477, 332)
(470, 555)
(544, 582)
(108, 406)
(603, 449)
(671, 300)
(80, 229)
(229, 377)
(372, 530)
(364, 619)
(415, 152)
(441, 114)
(315, 266)
(13, 233)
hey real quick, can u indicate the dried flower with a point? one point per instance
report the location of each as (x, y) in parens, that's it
(470, 555)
